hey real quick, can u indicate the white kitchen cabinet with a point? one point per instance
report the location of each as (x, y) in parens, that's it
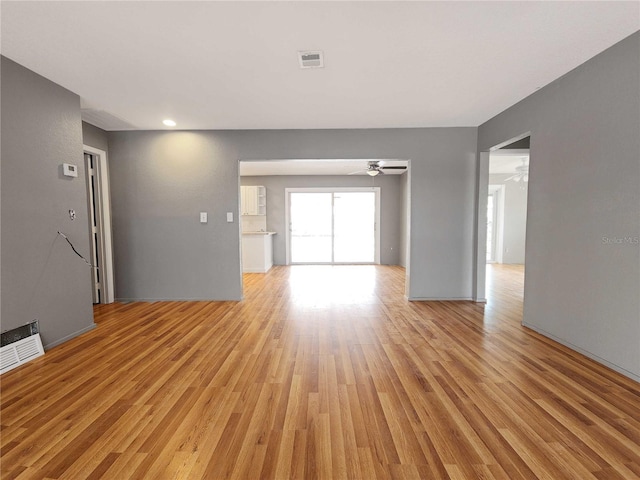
(257, 252)
(253, 200)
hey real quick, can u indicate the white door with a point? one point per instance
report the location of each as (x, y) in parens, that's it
(99, 207)
(93, 197)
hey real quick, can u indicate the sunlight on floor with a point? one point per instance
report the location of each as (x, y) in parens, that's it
(323, 285)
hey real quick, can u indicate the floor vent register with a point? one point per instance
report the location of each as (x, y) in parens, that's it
(20, 345)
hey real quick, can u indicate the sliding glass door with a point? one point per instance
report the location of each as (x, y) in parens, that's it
(354, 225)
(333, 226)
(311, 227)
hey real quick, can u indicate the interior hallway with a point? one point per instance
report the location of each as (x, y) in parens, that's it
(321, 372)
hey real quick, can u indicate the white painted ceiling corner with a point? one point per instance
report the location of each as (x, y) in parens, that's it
(232, 65)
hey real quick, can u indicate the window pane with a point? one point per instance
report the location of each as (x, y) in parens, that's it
(354, 227)
(310, 227)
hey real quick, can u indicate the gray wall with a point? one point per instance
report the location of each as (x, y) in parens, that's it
(161, 180)
(41, 276)
(581, 285)
(390, 207)
(515, 218)
(94, 137)
(442, 191)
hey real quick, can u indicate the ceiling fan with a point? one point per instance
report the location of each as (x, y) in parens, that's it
(376, 167)
(522, 172)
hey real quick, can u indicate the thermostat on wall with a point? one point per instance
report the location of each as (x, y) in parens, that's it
(69, 170)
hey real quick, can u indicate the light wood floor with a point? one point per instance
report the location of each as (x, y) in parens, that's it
(322, 372)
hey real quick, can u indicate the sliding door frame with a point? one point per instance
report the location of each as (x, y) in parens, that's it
(287, 209)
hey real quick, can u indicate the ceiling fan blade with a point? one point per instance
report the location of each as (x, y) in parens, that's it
(357, 172)
(394, 168)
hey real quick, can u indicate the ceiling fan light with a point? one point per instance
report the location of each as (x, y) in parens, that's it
(516, 179)
(372, 172)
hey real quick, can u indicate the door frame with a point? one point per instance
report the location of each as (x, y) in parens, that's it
(287, 209)
(105, 253)
(480, 214)
(498, 192)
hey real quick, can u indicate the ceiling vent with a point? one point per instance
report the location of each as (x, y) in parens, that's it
(311, 59)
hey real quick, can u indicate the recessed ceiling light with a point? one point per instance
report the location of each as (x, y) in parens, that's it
(169, 123)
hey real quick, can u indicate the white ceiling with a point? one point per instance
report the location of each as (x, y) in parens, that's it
(233, 65)
(507, 163)
(315, 167)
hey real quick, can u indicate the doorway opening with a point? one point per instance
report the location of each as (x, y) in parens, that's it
(502, 203)
(278, 176)
(101, 242)
(333, 226)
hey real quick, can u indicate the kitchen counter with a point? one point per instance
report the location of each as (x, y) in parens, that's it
(257, 251)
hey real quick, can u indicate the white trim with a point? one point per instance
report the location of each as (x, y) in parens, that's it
(510, 141)
(288, 191)
(407, 259)
(175, 299)
(584, 352)
(101, 166)
(500, 223)
(480, 247)
(66, 338)
(441, 299)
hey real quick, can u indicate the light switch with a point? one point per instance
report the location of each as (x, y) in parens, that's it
(230, 217)
(203, 217)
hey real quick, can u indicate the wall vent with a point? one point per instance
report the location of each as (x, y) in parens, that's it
(20, 345)
(313, 59)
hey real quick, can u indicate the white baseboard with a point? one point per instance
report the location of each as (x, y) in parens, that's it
(69, 337)
(584, 352)
(440, 299)
(151, 300)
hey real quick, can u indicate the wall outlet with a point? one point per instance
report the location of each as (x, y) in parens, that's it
(72, 214)
(230, 217)
(203, 217)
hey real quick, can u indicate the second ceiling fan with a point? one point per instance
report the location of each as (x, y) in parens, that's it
(376, 167)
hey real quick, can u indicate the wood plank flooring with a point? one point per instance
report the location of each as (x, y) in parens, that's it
(321, 372)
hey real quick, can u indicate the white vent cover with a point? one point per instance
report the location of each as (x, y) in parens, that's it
(22, 351)
(310, 59)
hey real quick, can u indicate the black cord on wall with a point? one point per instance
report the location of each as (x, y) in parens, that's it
(74, 249)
